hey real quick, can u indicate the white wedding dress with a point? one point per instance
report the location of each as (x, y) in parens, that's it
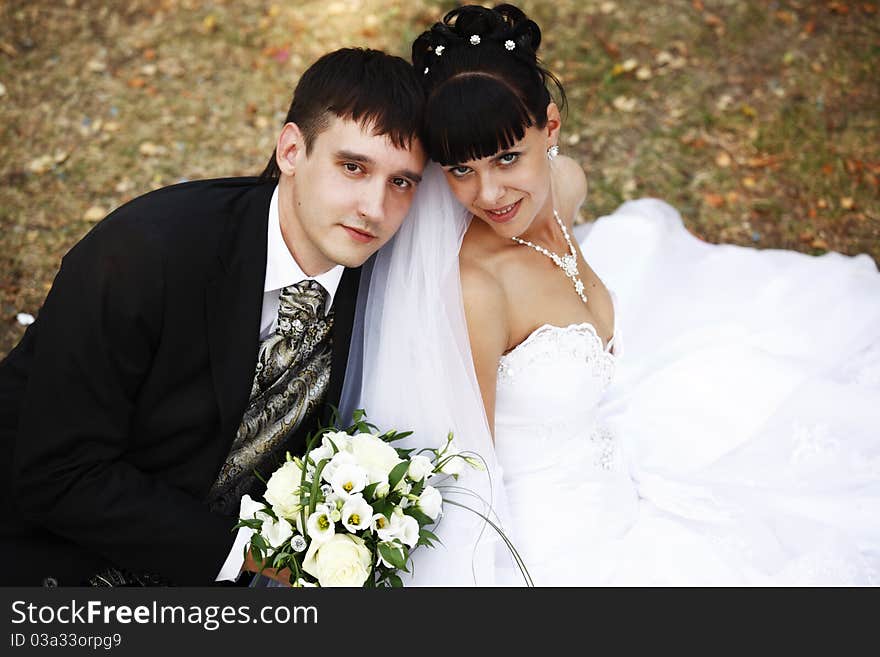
(729, 434)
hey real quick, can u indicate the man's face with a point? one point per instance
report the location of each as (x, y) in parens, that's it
(345, 199)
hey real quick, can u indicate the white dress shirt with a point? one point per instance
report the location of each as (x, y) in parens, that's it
(281, 270)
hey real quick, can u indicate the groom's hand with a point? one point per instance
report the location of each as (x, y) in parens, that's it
(252, 565)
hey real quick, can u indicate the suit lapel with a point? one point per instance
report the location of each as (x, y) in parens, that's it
(346, 300)
(234, 300)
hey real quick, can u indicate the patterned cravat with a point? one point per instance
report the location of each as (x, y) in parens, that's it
(291, 377)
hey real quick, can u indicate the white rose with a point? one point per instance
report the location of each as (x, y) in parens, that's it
(320, 525)
(357, 514)
(420, 466)
(282, 490)
(276, 533)
(348, 479)
(343, 560)
(430, 502)
(374, 455)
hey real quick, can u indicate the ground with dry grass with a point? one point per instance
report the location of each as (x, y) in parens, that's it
(758, 120)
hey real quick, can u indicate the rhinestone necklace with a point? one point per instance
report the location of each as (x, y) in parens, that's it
(567, 263)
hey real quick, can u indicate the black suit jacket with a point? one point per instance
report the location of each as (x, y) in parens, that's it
(121, 401)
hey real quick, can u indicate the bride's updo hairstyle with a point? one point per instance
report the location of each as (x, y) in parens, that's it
(485, 84)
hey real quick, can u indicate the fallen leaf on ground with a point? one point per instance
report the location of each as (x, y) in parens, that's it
(148, 148)
(41, 164)
(713, 200)
(94, 213)
(624, 104)
(723, 159)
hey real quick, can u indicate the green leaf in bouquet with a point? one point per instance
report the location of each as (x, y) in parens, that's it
(422, 517)
(417, 488)
(397, 473)
(370, 490)
(250, 523)
(404, 453)
(427, 534)
(385, 507)
(391, 436)
(395, 581)
(393, 554)
(259, 542)
(259, 476)
(316, 486)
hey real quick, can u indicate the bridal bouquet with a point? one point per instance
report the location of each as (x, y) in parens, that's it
(349, 511)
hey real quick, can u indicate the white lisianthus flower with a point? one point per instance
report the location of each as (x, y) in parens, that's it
(357, 514)
(337, 439)
(338, 460)
(282, 490)
(343, 560)
(250, 509)
(320, 525)
(276, 533)
(374, 455)
(382, 490)
(409, 530)
(430, 502)
(400, 526)
(348, 479)
(381, 526)
(340, 439)
(420, 466)
(453, 464)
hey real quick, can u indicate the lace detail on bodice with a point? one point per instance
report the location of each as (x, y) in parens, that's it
(578, 343)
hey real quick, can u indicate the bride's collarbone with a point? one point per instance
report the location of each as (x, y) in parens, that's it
(549, 298)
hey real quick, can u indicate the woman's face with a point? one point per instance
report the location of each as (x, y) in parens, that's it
(509, 189)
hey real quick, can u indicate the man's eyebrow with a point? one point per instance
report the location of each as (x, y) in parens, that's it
(412, 175)
(351, 156)
(354, 157)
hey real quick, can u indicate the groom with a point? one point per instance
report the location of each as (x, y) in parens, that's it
(194, 336)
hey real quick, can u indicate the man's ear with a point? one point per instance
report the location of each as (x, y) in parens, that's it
(290, 147)
(554, 123)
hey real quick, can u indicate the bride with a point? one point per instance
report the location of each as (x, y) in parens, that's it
(651, 409)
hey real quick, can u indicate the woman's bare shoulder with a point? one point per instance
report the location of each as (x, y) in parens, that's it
(571, 186)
